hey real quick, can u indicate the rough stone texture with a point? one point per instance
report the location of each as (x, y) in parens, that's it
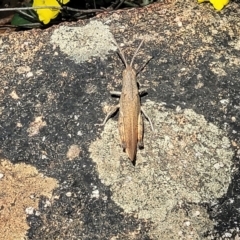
(186, 159)
(45, 89)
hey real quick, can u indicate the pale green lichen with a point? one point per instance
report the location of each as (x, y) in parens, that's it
(82, 43)
(186, 159)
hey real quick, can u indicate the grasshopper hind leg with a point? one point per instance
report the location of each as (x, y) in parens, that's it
(109, 115)
(140, 131)
(148, 118)
(121, 132)
(124, 146)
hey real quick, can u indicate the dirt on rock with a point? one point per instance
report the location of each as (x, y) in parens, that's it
(21, 187)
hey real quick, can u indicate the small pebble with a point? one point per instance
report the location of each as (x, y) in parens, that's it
(79, 133)
(47, 204)
(37, 213)
(218, 165)
(187, 223)
(179, 24)
(178, 109)
(29, 74)
(228, 235)
(68, 194)
(224, 101)
(29, 210)
(95, 194)
(197, 213)
(1, 175)
(32, 196)
(105, 198)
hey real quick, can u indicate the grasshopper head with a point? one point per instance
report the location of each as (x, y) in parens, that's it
(129, 73)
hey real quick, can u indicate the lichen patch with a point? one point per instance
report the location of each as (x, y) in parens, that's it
(14, 95)
(177, 164)
(93, 39)
(35, 126)
(73, 152)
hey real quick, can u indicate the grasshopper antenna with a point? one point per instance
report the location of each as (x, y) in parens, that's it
(121, 54)
(144, 65)
(136, 52)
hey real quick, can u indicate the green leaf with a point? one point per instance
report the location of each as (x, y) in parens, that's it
(19, 20)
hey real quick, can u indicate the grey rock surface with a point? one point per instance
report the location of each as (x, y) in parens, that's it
(54, 89)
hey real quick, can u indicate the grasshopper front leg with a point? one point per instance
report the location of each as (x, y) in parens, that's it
(115, 93)
(118, 94)
(142, 92)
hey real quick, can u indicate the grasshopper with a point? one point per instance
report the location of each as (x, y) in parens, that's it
(130, 122)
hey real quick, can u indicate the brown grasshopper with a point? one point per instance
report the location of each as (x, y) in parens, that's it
(130, 122)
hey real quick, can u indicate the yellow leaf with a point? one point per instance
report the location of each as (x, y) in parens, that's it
(217, 4)
(46, 15)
